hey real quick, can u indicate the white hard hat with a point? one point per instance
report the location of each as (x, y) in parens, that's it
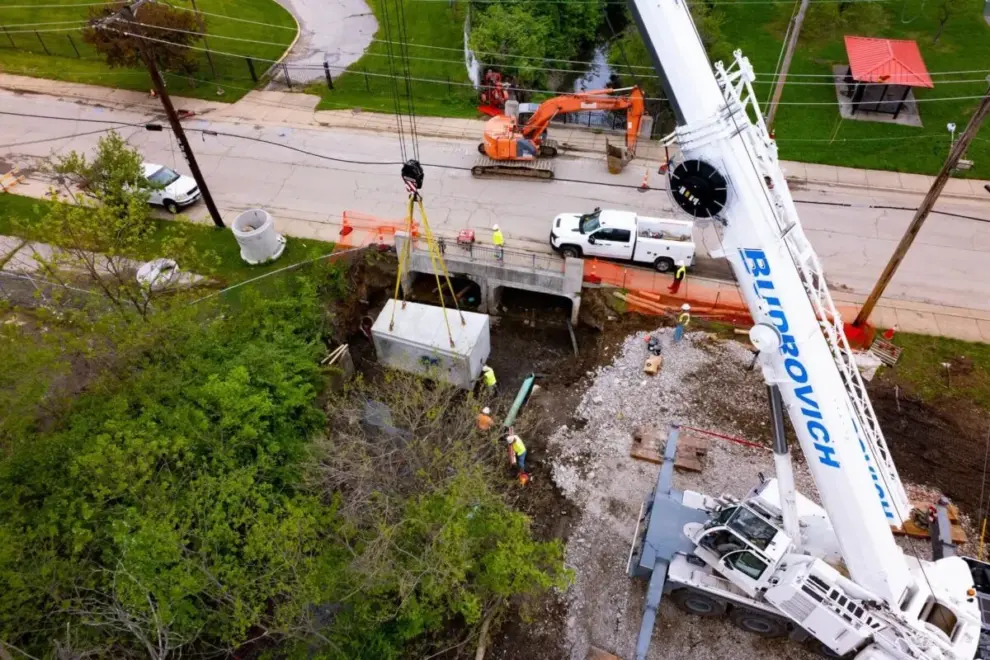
(494, 227)
(486, 410)
(686, 307)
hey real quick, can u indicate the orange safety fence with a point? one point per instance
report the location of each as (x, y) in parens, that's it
(361, 229)
(648, 292)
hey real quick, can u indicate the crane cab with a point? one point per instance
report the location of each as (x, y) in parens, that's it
(742, 544)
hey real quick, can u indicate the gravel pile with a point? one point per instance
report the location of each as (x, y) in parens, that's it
(704, 383)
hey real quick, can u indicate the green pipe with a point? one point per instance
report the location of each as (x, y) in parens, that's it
(524, 392)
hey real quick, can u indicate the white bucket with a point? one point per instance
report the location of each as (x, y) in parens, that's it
(255, 233)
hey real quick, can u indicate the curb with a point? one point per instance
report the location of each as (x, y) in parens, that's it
(288, 50)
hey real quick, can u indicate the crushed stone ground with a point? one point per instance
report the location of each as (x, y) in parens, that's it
(705, 382)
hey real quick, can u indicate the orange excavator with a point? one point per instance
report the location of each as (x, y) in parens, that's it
(514, 150)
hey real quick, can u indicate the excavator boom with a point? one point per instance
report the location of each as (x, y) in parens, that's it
(600, 99)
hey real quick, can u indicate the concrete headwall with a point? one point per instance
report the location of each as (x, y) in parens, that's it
(516, 269)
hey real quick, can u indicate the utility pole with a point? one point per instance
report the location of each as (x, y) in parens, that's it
(128, 14)
(957, 151)
(792, 40)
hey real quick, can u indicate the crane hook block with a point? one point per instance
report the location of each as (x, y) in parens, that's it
(412, 174)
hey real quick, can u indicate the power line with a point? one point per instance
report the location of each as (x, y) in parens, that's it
(314, 154)
(468, 84)
(234, 18)
(61, 6)
(47, 30)
(43, 23)
(67, 137)
(451, 49)
(623, 4)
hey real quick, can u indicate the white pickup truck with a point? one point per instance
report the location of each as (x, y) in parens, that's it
(624, 235)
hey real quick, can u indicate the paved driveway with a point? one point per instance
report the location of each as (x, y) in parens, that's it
(335, 30)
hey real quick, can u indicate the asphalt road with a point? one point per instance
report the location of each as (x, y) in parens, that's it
(946, 265)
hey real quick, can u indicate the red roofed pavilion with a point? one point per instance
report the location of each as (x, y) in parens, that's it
(879, 67)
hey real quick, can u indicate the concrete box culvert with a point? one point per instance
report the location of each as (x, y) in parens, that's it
(418, 342)
(255, 232)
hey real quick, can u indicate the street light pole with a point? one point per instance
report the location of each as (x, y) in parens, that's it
(957, 151)
(127, 14)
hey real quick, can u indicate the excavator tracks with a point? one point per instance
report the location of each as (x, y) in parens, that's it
(533, 169)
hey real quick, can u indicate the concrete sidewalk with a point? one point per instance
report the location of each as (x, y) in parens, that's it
(299, 110)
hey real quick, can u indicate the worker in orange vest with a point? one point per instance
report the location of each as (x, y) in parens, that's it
(484, 420)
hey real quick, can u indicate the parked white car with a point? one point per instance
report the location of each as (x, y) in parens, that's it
(626, 236)
(169, 188)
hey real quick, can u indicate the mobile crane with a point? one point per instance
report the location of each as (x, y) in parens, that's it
(513, 150)
(776, 562)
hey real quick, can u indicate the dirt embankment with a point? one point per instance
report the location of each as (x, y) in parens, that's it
(941, 444)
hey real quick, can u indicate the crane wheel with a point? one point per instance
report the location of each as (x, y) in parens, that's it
(478, 170)
(481, 149)
(548, 152)
(758, 623)
(699, 604)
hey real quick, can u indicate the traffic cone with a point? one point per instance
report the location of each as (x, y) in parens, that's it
(888, 334)
(645, 184)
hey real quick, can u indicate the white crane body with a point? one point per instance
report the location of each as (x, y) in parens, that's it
(890, 605)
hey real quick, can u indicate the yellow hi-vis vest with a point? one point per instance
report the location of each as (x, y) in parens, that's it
(684, 319)
(517, 445)
(681, 273)
(497, 237)
(489, 375)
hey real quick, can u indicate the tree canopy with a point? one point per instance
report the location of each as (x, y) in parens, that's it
(170, 32)
(524, 39)
(177, 479)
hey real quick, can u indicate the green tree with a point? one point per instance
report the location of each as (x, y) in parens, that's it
(100, 220)
(523, 38)
(170, 32)
(513, 40)
(165, 512)
(436, 546)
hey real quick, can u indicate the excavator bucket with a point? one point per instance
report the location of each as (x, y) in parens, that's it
(618, 157)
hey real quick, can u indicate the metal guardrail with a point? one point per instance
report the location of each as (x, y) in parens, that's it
(508, 258)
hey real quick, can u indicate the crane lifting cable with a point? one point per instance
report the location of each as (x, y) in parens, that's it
(397, 52)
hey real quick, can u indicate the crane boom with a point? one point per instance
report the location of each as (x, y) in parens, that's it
(728, 171)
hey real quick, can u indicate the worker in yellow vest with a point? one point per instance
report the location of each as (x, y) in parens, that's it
(517, 451)
(682, 321)
(498, 241)
(488, 376)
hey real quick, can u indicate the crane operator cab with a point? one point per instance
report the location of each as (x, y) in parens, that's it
(742, 544)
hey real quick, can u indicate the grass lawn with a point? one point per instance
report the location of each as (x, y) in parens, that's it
(816, 134)
(24, 52)
(230, 269)
(922, 365)
(433, 23)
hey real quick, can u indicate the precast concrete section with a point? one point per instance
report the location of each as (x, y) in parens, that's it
(492, 271)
